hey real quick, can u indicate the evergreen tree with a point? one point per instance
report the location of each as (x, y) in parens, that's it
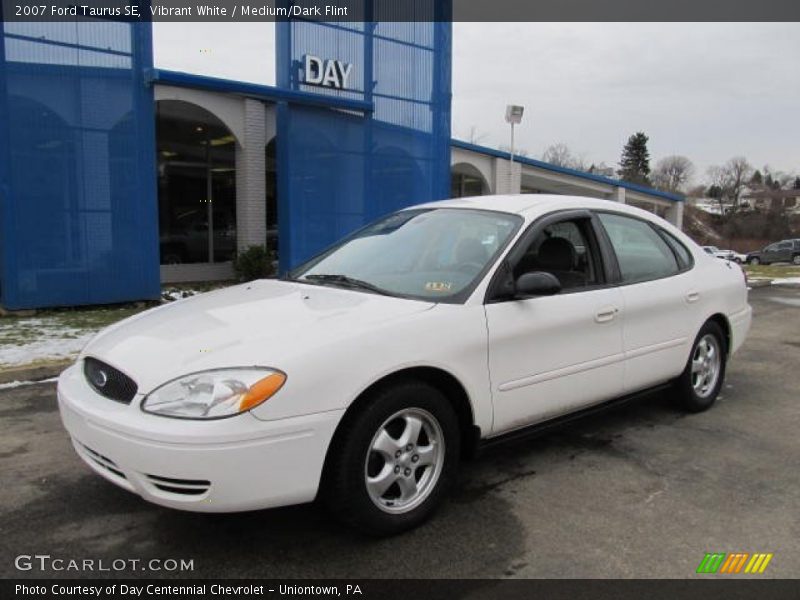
(796, 183)
(757, 178)
(634, 166)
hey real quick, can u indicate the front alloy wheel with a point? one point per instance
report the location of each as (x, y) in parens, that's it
(393, 458)
(404, 460)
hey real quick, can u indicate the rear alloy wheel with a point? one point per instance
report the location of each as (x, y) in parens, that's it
(701, 380)
(796, 259)
(392, 464)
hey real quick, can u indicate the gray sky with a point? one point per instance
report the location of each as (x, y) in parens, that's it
(707, 90)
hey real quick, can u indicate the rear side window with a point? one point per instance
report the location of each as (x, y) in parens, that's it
(681, 251)
(642, 254)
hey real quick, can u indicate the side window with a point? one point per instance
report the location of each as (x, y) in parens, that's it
(771, 248)
(641, 253)
(681, 251)
(565, 250)
(785, 245)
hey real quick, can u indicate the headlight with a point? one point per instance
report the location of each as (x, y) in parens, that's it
(214, 394)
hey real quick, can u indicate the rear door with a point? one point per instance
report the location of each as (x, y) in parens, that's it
(661, 299)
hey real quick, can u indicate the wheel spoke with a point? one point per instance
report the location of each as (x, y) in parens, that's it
(408, 487)
(382, 481)
(411, 432)
(386, 445)
(697, 365)
(427, 455)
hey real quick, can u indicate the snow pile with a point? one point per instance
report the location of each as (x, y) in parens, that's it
(172, 294)
(786, 281)
(51, 347)
(25, 341)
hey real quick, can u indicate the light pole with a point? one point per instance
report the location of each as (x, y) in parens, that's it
(514, 117)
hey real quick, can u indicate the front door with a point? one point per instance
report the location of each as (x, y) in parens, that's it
(550, 355)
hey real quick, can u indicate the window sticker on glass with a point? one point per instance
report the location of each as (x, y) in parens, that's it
(438, 286)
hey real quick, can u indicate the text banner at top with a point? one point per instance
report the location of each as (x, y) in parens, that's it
(402, 10)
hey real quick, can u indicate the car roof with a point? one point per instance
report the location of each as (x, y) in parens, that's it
(532, 205)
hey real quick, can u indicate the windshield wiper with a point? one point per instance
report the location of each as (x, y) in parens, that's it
(346, 281)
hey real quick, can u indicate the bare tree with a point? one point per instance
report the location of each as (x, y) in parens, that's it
(601, 168)
(730, 179)
(559, 155)
(672, 173)
(739, 173)
(718, 185)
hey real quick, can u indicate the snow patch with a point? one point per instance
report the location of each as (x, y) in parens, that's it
(170, 295)
(15, 384)
(44, 349)
(786, 281)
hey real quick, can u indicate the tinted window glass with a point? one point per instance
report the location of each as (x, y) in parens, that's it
(430, 254)
(562, 249)
(684, 256)
(642, 253)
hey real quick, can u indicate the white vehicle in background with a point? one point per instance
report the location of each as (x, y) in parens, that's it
(365, 375)
(725, 254)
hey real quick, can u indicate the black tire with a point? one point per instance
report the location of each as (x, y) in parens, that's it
(692, 394)
(754, 261)
(344, 486)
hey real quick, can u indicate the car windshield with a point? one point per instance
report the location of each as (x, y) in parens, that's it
(434, 254)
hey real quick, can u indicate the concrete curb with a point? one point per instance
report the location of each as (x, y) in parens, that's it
(34, 372)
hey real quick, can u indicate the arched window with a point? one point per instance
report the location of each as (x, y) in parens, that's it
(466, 180)
(196, 185)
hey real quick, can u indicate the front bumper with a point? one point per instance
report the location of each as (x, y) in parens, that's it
(227, 465)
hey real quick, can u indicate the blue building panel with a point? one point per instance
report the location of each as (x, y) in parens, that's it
(78, 207)
(341, 169)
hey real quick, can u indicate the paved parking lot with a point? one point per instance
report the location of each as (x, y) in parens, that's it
(643, 491)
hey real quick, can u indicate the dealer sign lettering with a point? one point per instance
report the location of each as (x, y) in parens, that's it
(328, 73)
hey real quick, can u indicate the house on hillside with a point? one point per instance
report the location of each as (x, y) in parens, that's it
(767, 199)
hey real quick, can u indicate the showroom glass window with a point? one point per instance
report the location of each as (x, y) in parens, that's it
(196, 185)
(642, 254)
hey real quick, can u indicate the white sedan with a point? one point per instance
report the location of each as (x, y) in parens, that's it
(367, 373)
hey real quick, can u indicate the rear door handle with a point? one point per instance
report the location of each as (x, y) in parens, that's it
(692, 297)
(606, 314)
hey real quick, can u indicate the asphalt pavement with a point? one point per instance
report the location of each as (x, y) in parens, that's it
(643, 491)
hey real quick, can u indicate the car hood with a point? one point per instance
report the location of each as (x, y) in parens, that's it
(266, 323)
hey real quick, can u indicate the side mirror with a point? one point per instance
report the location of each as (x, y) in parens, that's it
(537, 283)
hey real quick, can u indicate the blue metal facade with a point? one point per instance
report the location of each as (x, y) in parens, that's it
(78, 206)
(340, 169)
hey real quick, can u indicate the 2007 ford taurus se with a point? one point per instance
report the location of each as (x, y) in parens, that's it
(364, 375)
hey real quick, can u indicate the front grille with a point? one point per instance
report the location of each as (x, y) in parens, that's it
(187, 487)
(108, 381)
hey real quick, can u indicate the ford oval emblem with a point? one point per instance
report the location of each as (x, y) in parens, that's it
(100, 378)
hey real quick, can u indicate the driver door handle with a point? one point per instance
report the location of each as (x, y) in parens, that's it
(606, 314)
